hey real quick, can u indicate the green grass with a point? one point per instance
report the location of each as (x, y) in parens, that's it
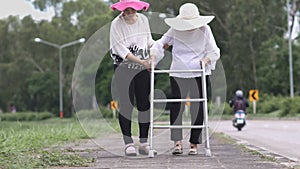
(23, 144)
(35, 144)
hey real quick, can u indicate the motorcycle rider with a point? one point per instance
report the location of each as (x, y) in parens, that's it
(239, 102)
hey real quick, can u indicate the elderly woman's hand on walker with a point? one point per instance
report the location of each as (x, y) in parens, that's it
(205, 60)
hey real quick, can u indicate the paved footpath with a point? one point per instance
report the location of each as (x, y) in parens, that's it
(226, 154)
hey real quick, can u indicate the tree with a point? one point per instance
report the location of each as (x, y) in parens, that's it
(240, 27)
(249, 33)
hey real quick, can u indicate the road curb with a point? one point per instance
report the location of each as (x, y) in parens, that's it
(264, 153)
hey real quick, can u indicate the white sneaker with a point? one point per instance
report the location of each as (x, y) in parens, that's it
(130, 150)
(144, 149)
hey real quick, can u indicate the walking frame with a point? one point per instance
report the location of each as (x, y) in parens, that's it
(205, 111)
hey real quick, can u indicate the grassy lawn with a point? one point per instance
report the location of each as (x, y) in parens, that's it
(23, 144)
(36, 144)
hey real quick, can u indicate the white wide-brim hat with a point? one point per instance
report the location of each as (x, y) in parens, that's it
(188, 18)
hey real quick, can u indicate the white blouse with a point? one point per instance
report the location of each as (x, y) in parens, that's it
(130, 38)
(189, 47)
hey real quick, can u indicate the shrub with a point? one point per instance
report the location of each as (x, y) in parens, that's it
(228, 109)
(25, 116)
(95, 114)
(88, 114)
(285, 105)
(270, 104)
(290, 106)
(106, 113)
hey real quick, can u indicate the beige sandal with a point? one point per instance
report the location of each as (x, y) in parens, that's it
(177, 149)
(193, 150)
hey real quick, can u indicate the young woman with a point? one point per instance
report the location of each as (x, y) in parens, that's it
(130, 39)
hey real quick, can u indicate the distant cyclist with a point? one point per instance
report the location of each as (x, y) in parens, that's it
(239, 102)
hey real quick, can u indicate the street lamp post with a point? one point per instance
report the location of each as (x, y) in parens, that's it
(290, 51)
(60, 47)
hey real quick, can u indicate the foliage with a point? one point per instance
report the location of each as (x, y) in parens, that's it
(228, 110)
(25, 116)
(103, 81)
(290, 107)
(250, 34)
(95, 114)
(277, 72)
(29, 71)
(42, 92)
(268, 103)
(278, 106)
(247, 33)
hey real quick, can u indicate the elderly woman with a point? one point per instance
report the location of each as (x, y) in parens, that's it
(193, 42)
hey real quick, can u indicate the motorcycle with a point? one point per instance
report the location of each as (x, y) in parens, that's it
(239, 120)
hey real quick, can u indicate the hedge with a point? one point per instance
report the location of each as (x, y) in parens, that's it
(268, 104)
(25, 116)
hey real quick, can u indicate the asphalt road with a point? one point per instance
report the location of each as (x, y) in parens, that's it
(277, 136)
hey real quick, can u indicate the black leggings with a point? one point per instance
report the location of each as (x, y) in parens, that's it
(180, 88)
(132, 83)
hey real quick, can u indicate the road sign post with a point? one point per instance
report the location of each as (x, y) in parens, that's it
(187, 107)
(254, 107)
(253, 97)
(114, 107)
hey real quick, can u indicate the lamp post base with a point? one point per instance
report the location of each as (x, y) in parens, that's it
(61, 114)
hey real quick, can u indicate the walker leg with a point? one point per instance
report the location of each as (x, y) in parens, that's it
(151, 151)
(151, 154)
(207, 152)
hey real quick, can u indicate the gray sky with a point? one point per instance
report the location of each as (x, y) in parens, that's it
(22, 8)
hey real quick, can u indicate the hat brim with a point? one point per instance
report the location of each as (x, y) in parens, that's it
(188, 24)
(121, 6)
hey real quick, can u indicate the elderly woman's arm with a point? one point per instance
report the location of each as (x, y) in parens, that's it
(212, 51)
(157, 50)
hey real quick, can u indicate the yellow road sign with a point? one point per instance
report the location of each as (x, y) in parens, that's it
(253, 95)
(188, 103)
(114, 105)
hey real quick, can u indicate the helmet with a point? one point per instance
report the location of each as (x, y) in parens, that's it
(239, 93)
